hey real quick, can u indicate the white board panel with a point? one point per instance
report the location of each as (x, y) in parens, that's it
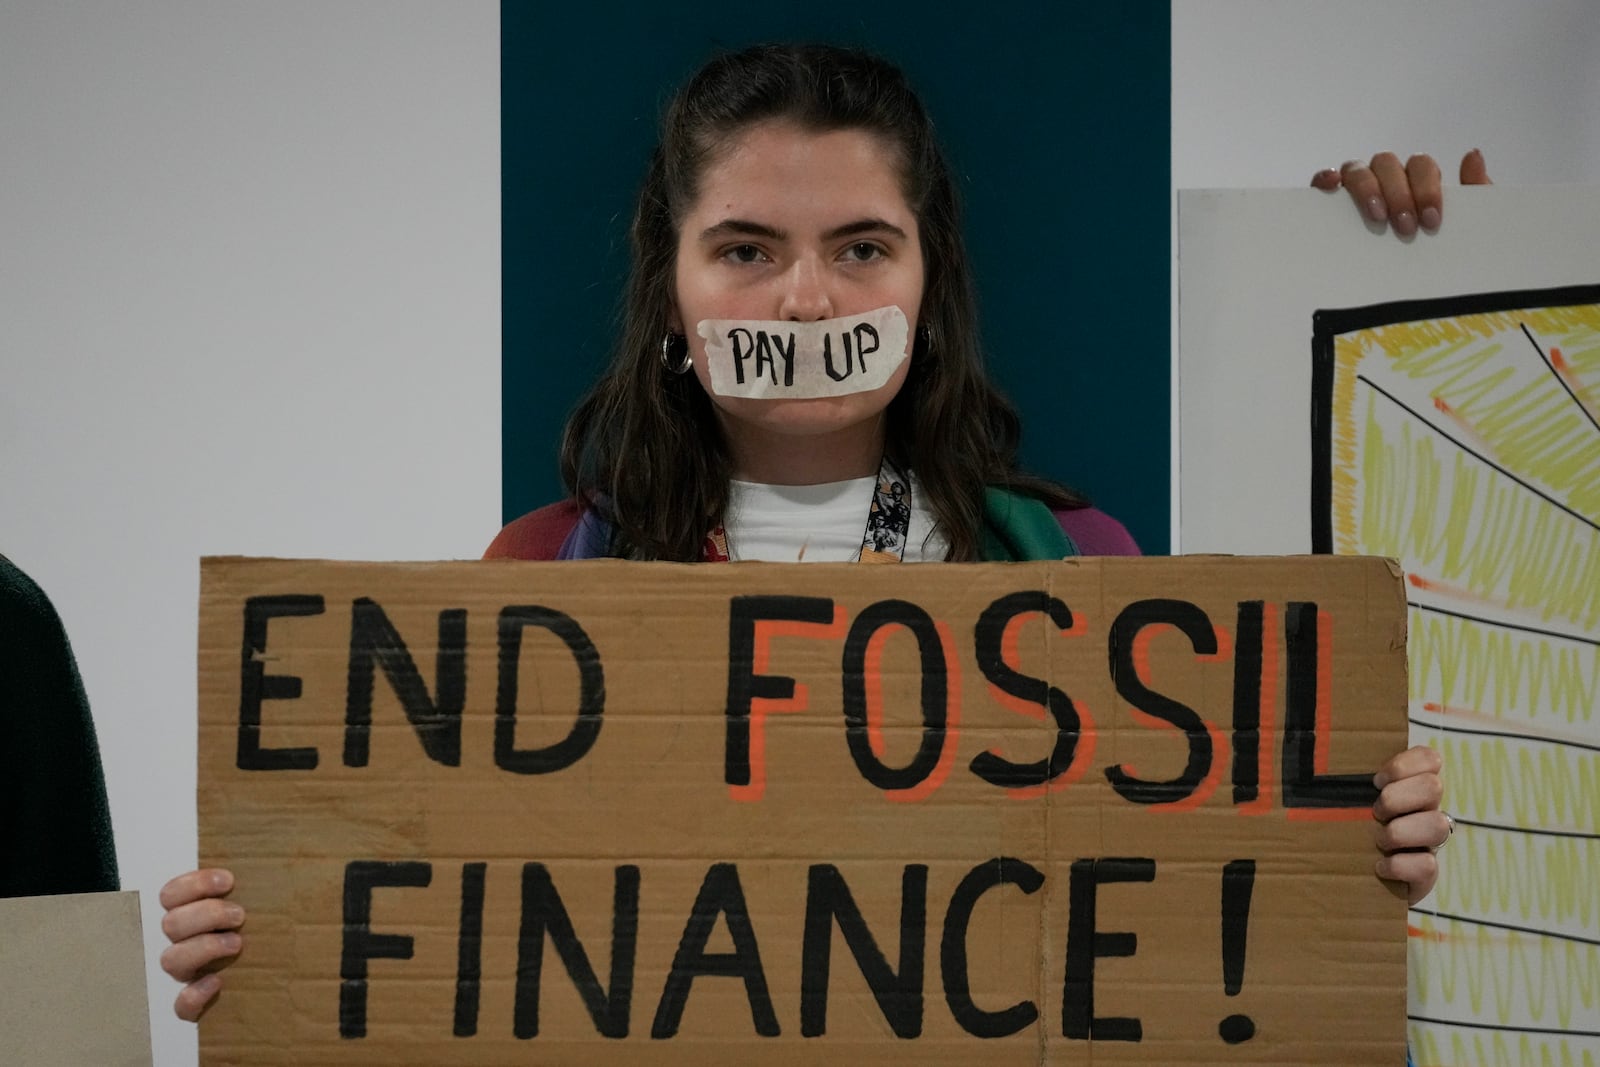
(1438, 401)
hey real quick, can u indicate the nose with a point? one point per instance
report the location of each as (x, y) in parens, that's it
(805, 296)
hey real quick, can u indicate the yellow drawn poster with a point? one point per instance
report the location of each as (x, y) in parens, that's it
(1462, 436)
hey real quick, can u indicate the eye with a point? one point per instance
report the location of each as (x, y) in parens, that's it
(864, 252)
(744, 254)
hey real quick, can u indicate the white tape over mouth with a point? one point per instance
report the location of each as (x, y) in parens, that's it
(763, 360)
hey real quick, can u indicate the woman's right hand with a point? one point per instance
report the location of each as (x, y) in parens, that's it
(1403, 194)
(203, 929)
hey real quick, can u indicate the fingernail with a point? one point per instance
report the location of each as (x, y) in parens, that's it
(1405, 223)
(1377, 210)
(1430, 218)
(233, 915)
(208, 985)
(222, 881)
(1380, 780)
(230, 943)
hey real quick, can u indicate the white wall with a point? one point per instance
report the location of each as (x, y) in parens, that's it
(249, 284)
(249, 303)
(1266, 92)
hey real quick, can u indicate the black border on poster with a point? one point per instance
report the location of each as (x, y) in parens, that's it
(1327, 324)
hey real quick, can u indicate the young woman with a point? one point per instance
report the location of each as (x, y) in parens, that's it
(801, 187)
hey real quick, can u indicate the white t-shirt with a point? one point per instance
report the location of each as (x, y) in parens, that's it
(817, 523)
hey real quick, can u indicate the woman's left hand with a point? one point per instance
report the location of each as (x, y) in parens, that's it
(1410, 825)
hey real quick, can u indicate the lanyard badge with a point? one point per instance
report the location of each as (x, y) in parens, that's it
(888, 522)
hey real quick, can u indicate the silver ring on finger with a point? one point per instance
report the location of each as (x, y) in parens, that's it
(1450, 832)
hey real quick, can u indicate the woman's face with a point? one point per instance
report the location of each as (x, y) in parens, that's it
(797, 225)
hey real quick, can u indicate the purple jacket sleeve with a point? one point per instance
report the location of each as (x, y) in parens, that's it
(1096, 533)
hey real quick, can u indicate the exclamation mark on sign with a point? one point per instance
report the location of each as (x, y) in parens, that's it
(1238, 881)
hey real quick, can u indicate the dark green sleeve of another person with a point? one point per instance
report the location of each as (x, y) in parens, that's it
(55, 827)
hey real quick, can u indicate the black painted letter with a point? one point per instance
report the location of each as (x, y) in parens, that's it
(591, 697)
(469, 949)
(827, 357)
(1085, 944)
(740, 354)
(788, 357)
(988, 636)
(862, 332)
(1247, 657)
(899, 996)
(953, 948)
(542, 910)
(361, 877)
(1194, 624)
(720, 894)
(1303, 787)
(374, 640)
(935, 693)
(256, 685)
(744, 684)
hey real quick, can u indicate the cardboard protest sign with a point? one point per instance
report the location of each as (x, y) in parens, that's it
(72, 985)
(1107, 811)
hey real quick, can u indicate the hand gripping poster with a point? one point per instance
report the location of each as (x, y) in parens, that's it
(1457, 431)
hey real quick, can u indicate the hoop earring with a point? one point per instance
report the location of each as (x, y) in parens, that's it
(926, 334)
(669, 341)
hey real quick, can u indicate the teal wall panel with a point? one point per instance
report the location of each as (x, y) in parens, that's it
(1056, 119)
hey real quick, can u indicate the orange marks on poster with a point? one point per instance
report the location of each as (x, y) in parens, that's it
(952, 717)
(1271, 671)
(1208, 785)
(760, 707)
(1219, 744)
(1580, 392)
(1449, 589)
(1224, 645)
(1463, 425)
(1081, 757)
(1011, 653)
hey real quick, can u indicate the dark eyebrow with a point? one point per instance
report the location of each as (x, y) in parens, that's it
(861, 226)
(746, 228)
(741, 228)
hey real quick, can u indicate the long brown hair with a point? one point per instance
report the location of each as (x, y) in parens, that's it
(644, 447)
